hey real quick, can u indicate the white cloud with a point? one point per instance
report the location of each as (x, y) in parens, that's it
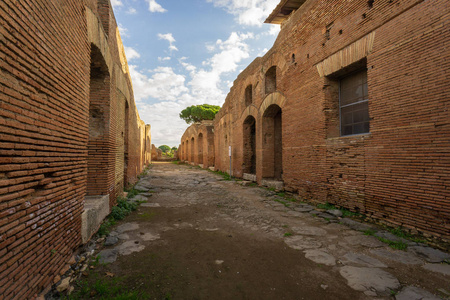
(131, 53)
(116, 3)
(248, 12)
(155, 7)
(168, 37)
(123, 31)
(131, 11)
(164, 58)
(163, 85)
(174, 92)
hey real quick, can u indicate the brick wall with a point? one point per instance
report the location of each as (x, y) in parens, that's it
(58, 126)
(399, 171)
(197, 144)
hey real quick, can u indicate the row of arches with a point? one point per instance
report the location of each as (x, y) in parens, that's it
(197, 145)
(270, 145)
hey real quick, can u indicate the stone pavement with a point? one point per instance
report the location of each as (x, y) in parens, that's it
(365, 264)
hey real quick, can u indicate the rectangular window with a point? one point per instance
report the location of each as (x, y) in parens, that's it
(354, 104)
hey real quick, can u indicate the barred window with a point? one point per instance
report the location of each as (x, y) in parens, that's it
(354, 104)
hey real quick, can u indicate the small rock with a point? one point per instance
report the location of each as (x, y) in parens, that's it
(70, 290)
(56, 279)
(72, 260)
(219, 262)
(64, 285)
(83, 268)
(324, 286)
(111, 240)
(314, 212)
(101, 240)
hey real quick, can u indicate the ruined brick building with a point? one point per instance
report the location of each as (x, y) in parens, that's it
(70, 134)
(197, 144)
(350, 107)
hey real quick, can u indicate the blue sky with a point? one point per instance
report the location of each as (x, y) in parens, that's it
(183, 53)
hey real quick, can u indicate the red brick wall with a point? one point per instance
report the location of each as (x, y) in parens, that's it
(45, 58)
(201, 151)
(399, 172)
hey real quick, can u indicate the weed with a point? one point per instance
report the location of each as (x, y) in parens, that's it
(326, 206)
(369, 232)
(288, 234)
(53, 251)
(393, 293)
(105, 289)
(284, 226)
(400, 232)
(394, 245)
(281, 194)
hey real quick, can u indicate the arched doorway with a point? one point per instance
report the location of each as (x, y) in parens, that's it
(192, 150)
(272, 143)
(200, 149)
(249, 146)
(99, 102)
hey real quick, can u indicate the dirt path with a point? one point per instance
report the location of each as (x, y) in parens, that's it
(202, 237)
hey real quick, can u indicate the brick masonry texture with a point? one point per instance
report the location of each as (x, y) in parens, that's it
(68, 128)
(284, 124)
(197, 144)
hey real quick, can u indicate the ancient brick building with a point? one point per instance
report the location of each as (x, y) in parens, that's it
(70, 134)
(350, 107)
(197, 144)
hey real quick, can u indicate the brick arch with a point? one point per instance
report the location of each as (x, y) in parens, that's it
(97, 37)
(250, 110)
(274, 98)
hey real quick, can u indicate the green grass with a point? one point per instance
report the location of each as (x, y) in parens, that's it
(392, 244)
(225, 176)
(288, 234)
(283, 202)
(118, 212)
(104, 288)
(400, 232)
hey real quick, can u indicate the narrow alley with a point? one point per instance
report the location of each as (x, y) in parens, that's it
(200, 236)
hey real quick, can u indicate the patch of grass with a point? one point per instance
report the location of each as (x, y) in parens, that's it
(104, 288)
(122, 209)
(288, 234)
(281, 194)
(392, 244)
(147, 216)
(225, 176)
(282, 202)
(369, 232)
(400, 232)
(118, 212)
(326, 206)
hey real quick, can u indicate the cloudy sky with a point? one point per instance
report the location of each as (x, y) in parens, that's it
(188, 52)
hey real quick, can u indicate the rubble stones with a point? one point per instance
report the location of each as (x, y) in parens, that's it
(111, 240)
